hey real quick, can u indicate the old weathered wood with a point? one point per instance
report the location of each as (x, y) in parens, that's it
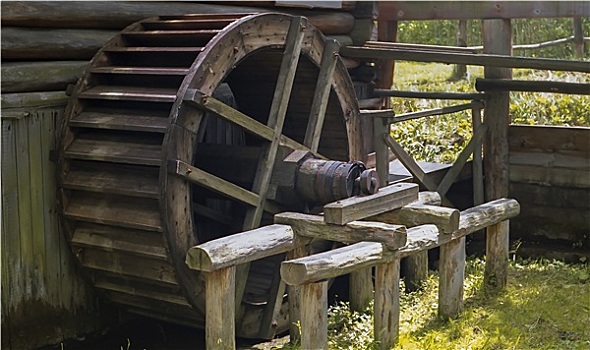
(424, 197)
(40, 76)
(321, 95)
(485, 59)
(313, 226)
(430, 94)
(381, 126)
(420, 47)
(366, 254)
(451, 269)
(220, 332)
(409, 163)
(301, 249)
(414, 214)
(31, 100)
(387, 306)
(314, 315)
(57, 44)
(120, 14)
(578, 37)
(434, 112)
(549, 139)
(415, 270)
(534, 86)
(425, 10)
(477, 171)
(240, 248)
(360, 289)
(497, 39)
(355, 208)
(460, 70)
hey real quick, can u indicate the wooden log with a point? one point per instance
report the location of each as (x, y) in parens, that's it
(52, 44)
(446, 219)
(118, 15)
(387, 306)
(381, 127)
(497, 39)
(294, 292)
(424, 197)
(451, 269)
(355, 208)
(314, 315)
(40, 76)
(531, 85)
(220, 332)
(240, 248)
(33, 100)
(313, 226)
(344, 260)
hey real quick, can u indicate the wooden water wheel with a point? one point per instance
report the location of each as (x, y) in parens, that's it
(148, 169)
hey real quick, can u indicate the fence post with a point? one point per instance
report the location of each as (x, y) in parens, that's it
(497, 39)
(451, 274)
(460, 70)
(220, 285)
(578, 37)
(314, 315)
(294, 292)
(387, 309)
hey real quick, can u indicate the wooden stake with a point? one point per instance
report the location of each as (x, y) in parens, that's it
(314, 315)
(220, 329)
(387, 308)
(451, 274)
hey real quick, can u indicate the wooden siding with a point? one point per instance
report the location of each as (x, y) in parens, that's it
(43, 298)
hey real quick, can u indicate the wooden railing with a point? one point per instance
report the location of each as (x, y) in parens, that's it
(379, 242)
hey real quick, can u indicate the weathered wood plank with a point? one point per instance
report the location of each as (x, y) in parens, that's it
(549, 139)
(313, 226)
(409, 163)
(149, 121)
(381, 127)
(220, 332)
(531, 86)
(40, 76)
(30, 100)
(241, 248)
(451, 274)
(355, 208)
(314, 315)
(414, 214)
(366, 254)
(387, 306)
(477, 165)
(497, 247)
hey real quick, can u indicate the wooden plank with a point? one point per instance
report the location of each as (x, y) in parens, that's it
(116, 149)
(32, 99)
(232, 115)
(148, 121)
(220, 332)
(313, 226)
(410, 164)
(549, 139)
(314, 315)
(114, 210)
(578, 37)
(355, 208)
(321, 95)
(241, 248)
(477, 165)
(547, 176)
(455, 170)
(426, 10)
(381, 128)
(485, 59)
(387, 305)
(451, 275)
(430, 94)
(434, 112)
(152, 293)
(415, 214)
(129, 93)
(424, 197)
(344, 260)
(531, 86)
(140, 70)
(40, 76)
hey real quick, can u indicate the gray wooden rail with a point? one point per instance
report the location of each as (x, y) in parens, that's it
(370, 244)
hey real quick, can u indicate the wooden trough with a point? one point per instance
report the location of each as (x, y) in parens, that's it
(170, 140)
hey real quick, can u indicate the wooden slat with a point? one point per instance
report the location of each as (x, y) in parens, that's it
(360, 207)
(140, 70)
(153, 49)
(549, 139)
(125, 241)
(148, 294)
(321, 95)
(128, 93)
(171, 33)
(409, 163)
(115, 210)
(114, 150)
(188, 24)
(148, 121)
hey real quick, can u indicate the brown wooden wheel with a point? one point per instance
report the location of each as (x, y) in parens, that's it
(170, 139)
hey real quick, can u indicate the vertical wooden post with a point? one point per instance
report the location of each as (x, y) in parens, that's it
(380, 127)
(497, 39)
(460, 70)
(360, 289)
(578, 37)
(220, 332)
(387, 309)
(294, 292)
(477, 169)
(451, 274)
(314, 315)
(415, 270)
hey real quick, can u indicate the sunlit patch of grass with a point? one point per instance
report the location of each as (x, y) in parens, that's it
(545, 306)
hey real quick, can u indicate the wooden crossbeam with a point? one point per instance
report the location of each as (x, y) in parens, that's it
(321, 95)
(409, 163)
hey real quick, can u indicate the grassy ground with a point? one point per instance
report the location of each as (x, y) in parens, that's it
(546, 306)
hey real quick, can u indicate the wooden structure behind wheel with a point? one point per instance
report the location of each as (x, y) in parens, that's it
(171, 139)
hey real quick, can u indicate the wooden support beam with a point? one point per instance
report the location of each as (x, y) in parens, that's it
(435, 111)
(381, 126)
(387, 305)
(477, 164)
(40, 76)
(301, 249)
(532, 86)
(241, 248)
(578, 37)
(321, 95)
(344, 260)
(452, 174)
(430, 94)
(313, 226)
(410, 164)
(451, 269)
(314, 315)
(485, 59)
(220, 331)
(360, 207)
(497, 39)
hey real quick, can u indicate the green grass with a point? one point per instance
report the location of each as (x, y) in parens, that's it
(441, 138)
(545, 306)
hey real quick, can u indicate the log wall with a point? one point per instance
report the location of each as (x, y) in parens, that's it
(550, 177)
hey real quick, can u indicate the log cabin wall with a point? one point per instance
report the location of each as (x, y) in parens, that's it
(550, 178)
(46, 46)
